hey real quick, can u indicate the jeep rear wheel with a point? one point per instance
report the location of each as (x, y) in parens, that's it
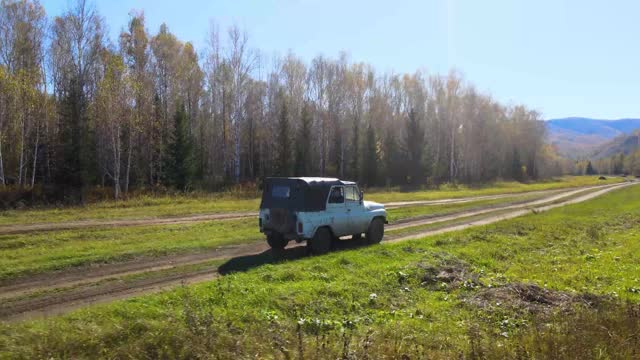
(376, 231)
(277, 241)
(321, 241)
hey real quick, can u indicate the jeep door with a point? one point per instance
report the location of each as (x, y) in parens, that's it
(338, 216)
(358, 221)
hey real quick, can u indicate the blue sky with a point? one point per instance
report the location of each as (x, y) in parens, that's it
(563, 58)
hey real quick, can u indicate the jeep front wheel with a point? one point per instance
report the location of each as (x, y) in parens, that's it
(376, 231)
(276, 241)
(321, 241)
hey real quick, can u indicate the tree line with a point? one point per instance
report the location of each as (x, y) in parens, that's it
(78, 109)
(619, 164)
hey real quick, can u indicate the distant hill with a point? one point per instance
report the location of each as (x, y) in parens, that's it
(580, 137)
(625, 144)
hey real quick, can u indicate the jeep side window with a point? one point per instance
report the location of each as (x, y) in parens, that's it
(351, 194)
(337, 195)
(281, 192)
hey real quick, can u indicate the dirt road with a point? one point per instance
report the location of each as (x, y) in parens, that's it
(55, 293)
(81, 224)
(177, 220)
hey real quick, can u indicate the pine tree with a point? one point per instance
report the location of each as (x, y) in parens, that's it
(178, 169)
(392, 160)
(303, 155)
(516, 166)
(590, 170)
(78, 160)
(283, 152)
(370, 158)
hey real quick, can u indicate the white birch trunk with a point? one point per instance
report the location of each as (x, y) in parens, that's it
(128, 172)
(115, 144)
(236, 159)
(452, 154)
(21, 162)
(35, 157)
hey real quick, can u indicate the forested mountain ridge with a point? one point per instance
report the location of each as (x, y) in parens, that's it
(619, 156)
(623, 144)
(577, 137)
(78, 109)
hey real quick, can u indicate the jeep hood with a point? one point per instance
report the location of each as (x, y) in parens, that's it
(370, 205)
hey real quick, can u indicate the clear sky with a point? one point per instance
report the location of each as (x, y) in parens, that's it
(563, 58)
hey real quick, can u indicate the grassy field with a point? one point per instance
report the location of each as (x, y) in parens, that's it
(409, 212)
(561, 284)
(28, 254)
(167, 206)
(33, 253)
(503, 187)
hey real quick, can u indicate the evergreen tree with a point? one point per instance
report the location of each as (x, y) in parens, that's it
(78, 160)
(392, 160)
(283, 151)
(370, 158)
(516, 166)
(414, 148)
(590, 170)
(303, 155)
(178, 168)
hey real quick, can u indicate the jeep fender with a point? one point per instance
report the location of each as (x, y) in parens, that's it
(322, 226)
(383, 218)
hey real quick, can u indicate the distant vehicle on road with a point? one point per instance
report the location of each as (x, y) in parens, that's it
(319, 211)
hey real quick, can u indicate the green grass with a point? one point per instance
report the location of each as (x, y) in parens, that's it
(144, 207)
(449, 191)
(28, 254)
(409, 212)
(210, 266)
(326, 305)
(417, 229)
(498, 202)
(177, 205)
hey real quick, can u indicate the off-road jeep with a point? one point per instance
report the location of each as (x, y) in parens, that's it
(318, 211)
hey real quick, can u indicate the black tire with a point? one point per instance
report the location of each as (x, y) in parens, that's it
(321, 241)
(277, 241)
(375, 233)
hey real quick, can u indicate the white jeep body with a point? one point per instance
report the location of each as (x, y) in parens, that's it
(344, 215)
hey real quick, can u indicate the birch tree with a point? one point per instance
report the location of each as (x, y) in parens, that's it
(112, 111)
(241, 61)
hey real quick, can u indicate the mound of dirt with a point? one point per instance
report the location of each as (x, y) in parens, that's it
(531, 298)
(450, 275)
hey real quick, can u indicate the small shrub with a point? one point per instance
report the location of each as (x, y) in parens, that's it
(595, 232)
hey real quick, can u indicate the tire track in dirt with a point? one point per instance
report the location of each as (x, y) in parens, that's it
(510, 215)
(91, 274)
(58, 304)
(87, 293)
(489, 209)
(178, 220)
(401, 204)
(81, 224)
